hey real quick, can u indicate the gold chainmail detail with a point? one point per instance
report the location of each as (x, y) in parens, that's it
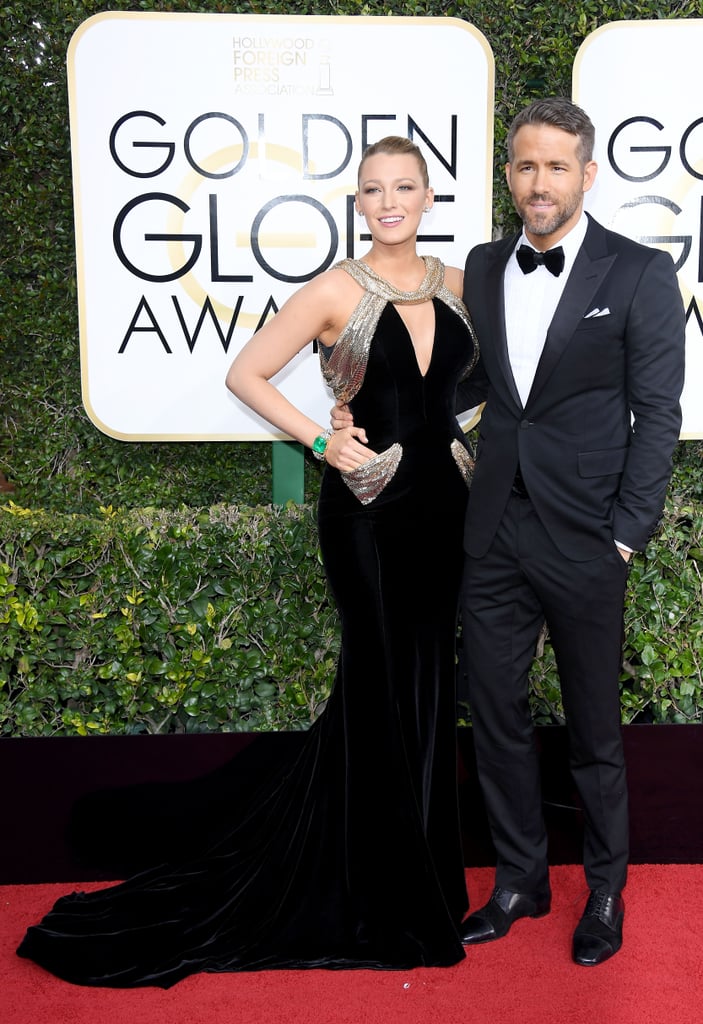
(345, 366)
(368, 480)
(464, 460)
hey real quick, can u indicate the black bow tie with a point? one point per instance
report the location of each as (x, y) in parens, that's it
(529, 259)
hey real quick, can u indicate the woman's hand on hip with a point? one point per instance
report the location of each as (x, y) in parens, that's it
(347, 449)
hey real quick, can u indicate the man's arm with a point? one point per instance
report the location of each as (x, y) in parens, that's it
(655, 354)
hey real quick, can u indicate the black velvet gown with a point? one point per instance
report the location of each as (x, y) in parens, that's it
(348, 855)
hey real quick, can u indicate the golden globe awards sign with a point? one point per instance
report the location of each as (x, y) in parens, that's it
(214, 162)
(640, 83)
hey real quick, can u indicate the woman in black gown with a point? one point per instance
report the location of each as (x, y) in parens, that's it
(349, 855)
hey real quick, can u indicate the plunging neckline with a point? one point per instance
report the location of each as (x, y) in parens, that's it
(344, 364)
(412, 343)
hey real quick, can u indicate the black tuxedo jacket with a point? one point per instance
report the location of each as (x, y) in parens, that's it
(595, 438)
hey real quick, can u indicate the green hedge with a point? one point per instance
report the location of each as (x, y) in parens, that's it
(148, 587)
(190, 620)
(162, 621)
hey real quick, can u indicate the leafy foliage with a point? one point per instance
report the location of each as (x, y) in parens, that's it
(162, 621)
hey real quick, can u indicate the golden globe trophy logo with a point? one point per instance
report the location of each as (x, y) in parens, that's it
(214, 163)
(640, 83)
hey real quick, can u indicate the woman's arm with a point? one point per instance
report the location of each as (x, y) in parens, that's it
(312, 312)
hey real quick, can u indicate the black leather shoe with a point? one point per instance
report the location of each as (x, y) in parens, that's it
(598, 934)
(503, 908)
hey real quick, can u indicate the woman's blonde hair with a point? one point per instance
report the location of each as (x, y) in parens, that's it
(396, 145)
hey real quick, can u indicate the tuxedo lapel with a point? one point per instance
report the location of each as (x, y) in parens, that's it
(591, 265)
(495, 304)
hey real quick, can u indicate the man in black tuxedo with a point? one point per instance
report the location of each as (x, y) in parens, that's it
(581, 370)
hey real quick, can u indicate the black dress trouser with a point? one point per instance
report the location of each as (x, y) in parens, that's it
(508, 593)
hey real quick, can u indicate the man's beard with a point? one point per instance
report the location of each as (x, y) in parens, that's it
(547, 224)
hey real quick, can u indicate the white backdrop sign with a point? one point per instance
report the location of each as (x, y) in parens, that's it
(640, 83)
(214, 162)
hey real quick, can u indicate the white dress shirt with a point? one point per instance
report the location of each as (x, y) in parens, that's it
(530, 302)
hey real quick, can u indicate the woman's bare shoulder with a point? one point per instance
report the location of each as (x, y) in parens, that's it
(335, 278)
(454, 280)
(335, 295)
(326, 291)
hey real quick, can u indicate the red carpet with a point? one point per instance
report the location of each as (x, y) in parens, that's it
(526, 978)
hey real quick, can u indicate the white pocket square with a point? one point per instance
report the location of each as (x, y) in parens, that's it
(597, 312)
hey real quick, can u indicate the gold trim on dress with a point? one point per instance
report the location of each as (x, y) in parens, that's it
(368, 480)
(464, 460)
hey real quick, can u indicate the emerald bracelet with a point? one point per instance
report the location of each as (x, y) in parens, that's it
(319, 445)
